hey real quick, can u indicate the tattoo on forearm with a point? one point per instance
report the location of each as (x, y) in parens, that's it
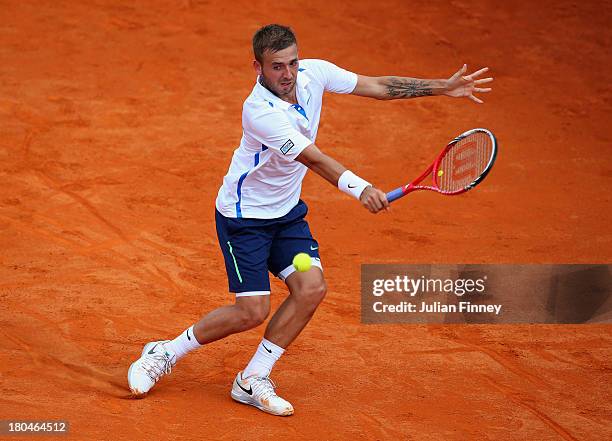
(408, 87)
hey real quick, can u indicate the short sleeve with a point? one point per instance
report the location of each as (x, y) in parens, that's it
(273, 130)
(333, 78)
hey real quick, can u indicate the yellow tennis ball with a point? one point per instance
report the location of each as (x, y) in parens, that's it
(440, 172)
(301, 262)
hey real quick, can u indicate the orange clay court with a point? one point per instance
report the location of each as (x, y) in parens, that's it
(118, 121)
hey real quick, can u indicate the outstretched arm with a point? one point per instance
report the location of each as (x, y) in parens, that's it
(391, 88)
(336, 174)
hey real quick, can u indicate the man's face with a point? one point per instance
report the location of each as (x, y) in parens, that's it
(279, 70)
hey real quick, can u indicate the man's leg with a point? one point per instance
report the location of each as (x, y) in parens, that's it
(253, 386)
(246, 313)
(292, 235)
(158, 358)
(306, 291)
(245, 245)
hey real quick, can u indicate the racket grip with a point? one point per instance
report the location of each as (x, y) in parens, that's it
(395, 194)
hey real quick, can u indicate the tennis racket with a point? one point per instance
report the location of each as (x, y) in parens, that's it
(462, 165)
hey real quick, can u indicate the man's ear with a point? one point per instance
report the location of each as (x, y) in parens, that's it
(257, 66)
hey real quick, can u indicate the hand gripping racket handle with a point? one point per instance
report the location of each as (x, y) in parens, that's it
(395, 194)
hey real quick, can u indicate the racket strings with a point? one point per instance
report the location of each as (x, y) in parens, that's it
(464, 162)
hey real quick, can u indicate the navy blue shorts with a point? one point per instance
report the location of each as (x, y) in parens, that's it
(252, 247)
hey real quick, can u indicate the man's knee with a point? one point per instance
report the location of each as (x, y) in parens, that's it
(253, 312)
(312, 294)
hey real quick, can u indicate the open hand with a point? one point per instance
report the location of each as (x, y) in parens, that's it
(460, 85)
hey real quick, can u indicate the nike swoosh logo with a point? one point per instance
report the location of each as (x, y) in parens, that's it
(188, 338)
(266, 348)
(313, 248)
(250, 391)
(352, 186)
(152, 350)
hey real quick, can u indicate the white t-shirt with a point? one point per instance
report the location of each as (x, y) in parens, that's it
(264, 180)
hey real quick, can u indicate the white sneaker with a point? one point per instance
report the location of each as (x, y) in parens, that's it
(155, 362)
(259, 392)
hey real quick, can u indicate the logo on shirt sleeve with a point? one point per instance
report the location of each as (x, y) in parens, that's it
(286, 147)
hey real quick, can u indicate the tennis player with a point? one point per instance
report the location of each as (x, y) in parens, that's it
(260, 217)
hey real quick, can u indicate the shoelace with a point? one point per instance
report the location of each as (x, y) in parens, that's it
(156, 365)
(265, 387)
